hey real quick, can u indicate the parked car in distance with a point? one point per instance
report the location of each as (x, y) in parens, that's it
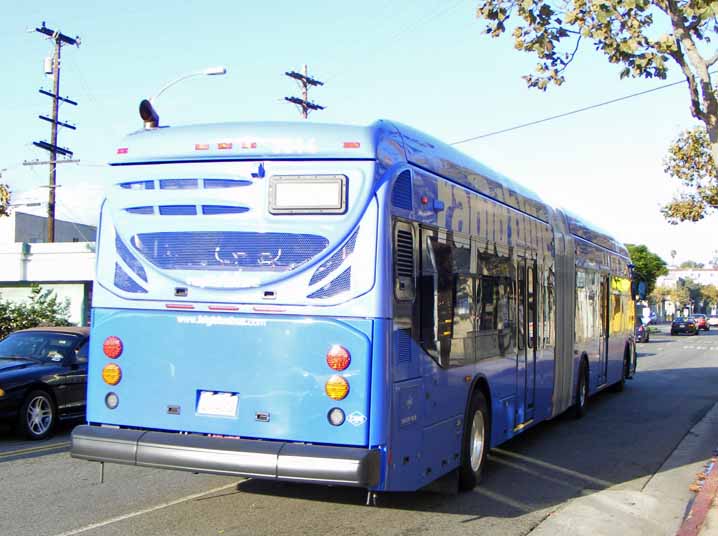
(701, 322)
(684, 324)
(713, 320)
(43, 378)
(642, 333)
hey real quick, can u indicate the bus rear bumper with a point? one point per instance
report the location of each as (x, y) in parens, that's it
(348, 466)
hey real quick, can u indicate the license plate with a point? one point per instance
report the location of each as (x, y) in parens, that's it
(218, 403)
(681, 325)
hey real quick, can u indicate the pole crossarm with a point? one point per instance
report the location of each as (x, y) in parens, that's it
(304, 104)
(45, 162)
(52, 148)
(57, 122)
(304, 79)
(57, 97)
(57, 36)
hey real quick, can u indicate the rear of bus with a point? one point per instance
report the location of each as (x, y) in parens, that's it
(238, 325)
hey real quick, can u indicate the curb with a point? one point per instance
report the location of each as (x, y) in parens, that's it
(702, 503)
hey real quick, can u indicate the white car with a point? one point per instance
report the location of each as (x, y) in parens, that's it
(713, 320)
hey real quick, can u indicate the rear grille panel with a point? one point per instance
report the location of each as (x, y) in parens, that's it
(335, 260)
(228, 251)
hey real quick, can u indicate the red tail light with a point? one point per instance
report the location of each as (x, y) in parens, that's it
(338, 358)
(112, 347)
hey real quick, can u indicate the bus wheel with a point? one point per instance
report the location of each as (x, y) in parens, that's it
(475, 443)
(619, 385)
(579, 410)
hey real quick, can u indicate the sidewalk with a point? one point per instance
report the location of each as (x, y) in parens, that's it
(702, 519)
(663, 504)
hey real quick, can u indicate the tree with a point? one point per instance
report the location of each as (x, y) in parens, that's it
(691, 265)
(691, 162)
(4, 200)
(644, 37)
(710, 294)
(43, 308)
(647, 266)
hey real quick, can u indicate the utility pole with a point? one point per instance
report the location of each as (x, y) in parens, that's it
(60, 40)
(304, 81)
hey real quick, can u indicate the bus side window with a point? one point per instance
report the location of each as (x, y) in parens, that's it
(495, 308)
(437, 299)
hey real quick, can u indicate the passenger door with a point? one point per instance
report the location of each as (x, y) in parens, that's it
(604, 300)
(526, 357)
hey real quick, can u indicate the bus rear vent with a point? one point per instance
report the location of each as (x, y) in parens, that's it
(401, 194)
(404, 253)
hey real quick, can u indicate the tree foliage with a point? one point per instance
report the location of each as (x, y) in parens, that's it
(710, 294)
(4, 200)
(690, 161)
(642, 36)
(42, 309)
(647, 266)
(691, 265)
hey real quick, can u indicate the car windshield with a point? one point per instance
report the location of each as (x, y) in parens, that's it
(680, 319)
(38, 345)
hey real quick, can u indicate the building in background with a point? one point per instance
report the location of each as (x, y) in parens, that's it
(702, 276)
(23, 227)
(66, 266)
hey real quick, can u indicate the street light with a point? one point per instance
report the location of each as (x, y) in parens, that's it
(147, 111)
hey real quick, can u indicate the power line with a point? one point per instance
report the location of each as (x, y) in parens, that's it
(565, 114)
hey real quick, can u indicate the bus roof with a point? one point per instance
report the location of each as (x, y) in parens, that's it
(305, 140)
(239, 141)
(321, 141)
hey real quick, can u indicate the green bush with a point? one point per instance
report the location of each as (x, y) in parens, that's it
(43, 309)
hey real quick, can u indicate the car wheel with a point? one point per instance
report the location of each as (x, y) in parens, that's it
(579, 409)
(38, 416)
(475, 444)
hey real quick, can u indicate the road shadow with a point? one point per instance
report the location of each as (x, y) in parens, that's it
(14, 447)
(623, 438)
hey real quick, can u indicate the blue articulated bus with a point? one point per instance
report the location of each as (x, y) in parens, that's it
(359, 306)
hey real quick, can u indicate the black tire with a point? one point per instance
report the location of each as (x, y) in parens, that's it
(621, 384)
(579, 409)
(38, 416)
(477, 428)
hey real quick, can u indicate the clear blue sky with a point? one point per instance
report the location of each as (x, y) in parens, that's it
(418, 62)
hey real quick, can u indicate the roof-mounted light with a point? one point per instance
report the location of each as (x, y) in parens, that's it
(147, 112)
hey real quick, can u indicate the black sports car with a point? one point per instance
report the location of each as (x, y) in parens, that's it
(43, 378)
(684, 325)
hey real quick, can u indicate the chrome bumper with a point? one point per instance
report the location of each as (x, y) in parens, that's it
(348, 466)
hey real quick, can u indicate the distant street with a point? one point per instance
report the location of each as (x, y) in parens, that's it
(620, 444)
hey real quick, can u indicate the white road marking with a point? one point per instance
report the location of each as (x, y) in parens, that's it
(147, 510)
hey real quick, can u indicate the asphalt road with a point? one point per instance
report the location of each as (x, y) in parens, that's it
(620, 444)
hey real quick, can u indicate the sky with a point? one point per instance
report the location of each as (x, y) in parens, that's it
(426, 64)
